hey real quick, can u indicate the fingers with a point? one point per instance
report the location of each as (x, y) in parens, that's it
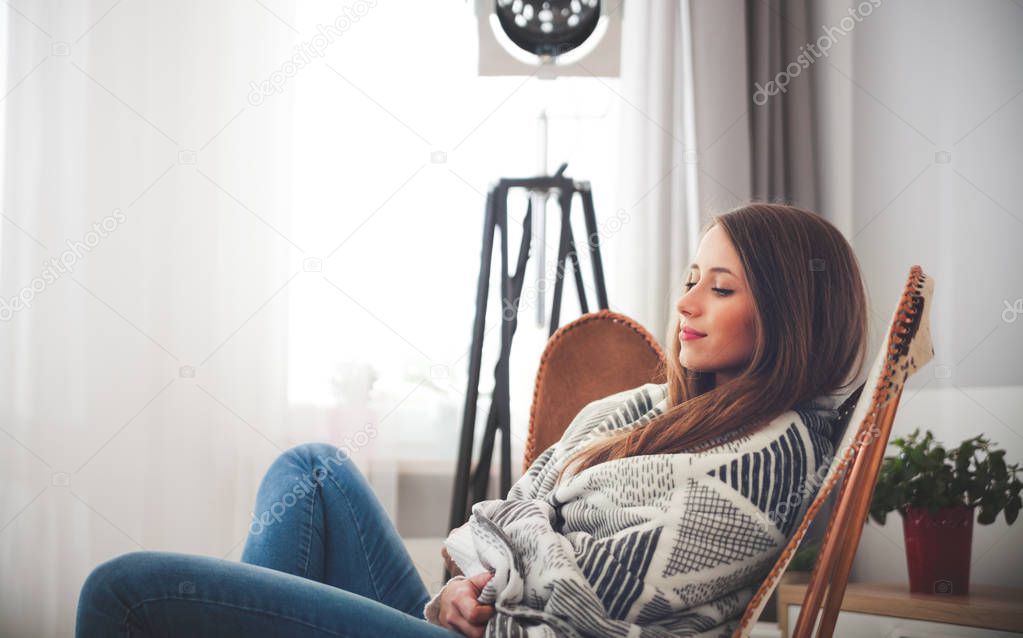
(453, 620)
(472, 611)
(479, 580)
(466, 605)
(470, 622)
(481, 615)
(461, 611)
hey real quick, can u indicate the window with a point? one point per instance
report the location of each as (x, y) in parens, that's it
(396, 141)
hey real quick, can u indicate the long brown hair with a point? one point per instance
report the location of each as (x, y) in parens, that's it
(811, 338)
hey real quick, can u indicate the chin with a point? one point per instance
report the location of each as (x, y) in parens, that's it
(691, 365)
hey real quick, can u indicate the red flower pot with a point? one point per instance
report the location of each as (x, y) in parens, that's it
(938, 549)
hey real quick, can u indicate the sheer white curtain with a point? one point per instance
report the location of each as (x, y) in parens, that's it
(145, 245)
(658, 163)
(249, 253)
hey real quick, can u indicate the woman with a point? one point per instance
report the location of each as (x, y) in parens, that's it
(772, 318)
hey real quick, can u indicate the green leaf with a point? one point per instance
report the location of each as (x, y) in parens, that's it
(1012, 510)
(987, 515)
(916, 456)
(998, 468)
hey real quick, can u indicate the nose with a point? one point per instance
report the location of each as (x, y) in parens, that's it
(686, 304)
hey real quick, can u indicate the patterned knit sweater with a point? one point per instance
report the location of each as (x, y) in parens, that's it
(652, 545)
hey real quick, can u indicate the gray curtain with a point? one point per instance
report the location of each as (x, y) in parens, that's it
(782, 121)
(783, 159)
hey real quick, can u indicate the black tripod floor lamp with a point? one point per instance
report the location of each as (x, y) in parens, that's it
(471, 483)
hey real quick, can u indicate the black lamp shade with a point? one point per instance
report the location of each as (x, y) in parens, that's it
(548, 27)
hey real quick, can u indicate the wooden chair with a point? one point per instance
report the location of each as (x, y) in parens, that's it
(574, 370)
(595, 356)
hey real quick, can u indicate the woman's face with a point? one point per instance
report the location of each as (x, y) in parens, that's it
(718, 304)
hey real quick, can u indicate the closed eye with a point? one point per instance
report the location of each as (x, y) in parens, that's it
(721, 292)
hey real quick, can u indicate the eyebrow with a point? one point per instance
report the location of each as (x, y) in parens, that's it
(715, 269)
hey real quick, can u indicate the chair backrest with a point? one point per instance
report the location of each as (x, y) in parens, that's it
(594, 356)
(907, 347)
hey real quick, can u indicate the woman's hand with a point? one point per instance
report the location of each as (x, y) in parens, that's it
(453, 568)
(459, 609)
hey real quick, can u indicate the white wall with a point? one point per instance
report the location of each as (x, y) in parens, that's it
(915, 79)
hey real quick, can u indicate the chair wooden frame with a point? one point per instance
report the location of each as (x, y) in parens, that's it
(907, 347)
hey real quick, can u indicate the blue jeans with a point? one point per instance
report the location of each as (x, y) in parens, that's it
(321, 559)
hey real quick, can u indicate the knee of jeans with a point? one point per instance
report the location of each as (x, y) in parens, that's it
(320, 459)
(110, 577)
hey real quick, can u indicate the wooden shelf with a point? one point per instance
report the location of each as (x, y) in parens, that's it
(986, 606)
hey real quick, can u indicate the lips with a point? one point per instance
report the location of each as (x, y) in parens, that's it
(689, 333)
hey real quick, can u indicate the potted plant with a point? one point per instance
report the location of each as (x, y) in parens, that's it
(936, 491)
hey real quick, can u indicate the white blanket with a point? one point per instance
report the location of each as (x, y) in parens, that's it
(655, 545)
